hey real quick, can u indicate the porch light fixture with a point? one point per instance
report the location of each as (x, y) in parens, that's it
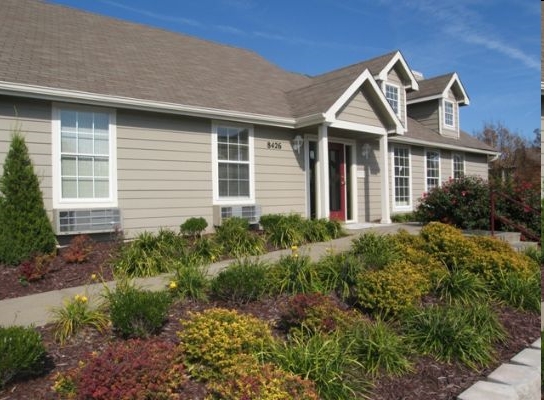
(297, 143)
(366, 151)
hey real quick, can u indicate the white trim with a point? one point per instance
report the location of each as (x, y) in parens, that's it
(58, 201)
(409, 206)
(454, 79)
(453, 104)
(437, 151)
(398, 57)
(399, 99)
(353, 126)
(323, 167)
(219, 201)
(407, 140)
(384, 181)
(354, 187)
(365, 76)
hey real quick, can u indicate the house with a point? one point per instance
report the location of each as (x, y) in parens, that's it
(143, 128)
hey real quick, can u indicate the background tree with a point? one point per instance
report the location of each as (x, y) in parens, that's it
(519, 160)
(25, 229)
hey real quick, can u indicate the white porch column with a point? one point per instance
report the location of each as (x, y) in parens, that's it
(322, 189)
(384, 169)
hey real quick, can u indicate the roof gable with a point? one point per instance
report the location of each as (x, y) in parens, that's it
(399, 63)
(438, 87)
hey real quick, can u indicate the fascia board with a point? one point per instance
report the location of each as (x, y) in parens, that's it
(399, 58)
(407, 140)
(46, 93)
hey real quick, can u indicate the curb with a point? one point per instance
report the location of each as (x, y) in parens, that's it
(517, 380)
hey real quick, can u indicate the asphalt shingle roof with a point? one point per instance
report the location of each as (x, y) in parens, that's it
(431, 87)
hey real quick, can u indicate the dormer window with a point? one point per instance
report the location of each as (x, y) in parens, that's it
(448, 114)
(392, 96)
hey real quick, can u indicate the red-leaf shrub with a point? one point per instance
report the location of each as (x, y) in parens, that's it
(36, 268)
(135, 369)
(79, 249)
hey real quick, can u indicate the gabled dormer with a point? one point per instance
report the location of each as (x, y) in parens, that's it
(436, 104)
(396, 79)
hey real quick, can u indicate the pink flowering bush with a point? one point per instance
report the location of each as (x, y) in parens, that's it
(462, 202)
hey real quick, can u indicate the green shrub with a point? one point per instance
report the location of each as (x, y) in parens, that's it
(190, 281)
(392, 289)
(447, 244)
(335, 229)
(241, 281)
(284, 231)
(134, 369)
(403, 217)
(380, 349)
(26, 229)
(75, 315)
(214, 341)
(324, 359)
(518, 291)
(193, 227)
(316, 230)
(263, 382)
(456, 332)
(268, 221)
(137, 313)
(376, 251)
(149, 254)
(462, 286)
(237, 240)
(462, 202)
(22, 353)
(316, 313)
(339, 272)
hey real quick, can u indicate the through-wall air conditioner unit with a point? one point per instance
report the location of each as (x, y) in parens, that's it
(74, 222)
(251, 212)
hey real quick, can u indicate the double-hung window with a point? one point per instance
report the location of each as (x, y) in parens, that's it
(458, 166)
(233, 165)
(401, 175)
(448, 114)
(432, 171)
(392, 96)
(84, 158)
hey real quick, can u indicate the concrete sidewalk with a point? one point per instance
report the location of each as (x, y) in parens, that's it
(36, 309)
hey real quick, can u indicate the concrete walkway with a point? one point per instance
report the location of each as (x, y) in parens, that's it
(36, 309)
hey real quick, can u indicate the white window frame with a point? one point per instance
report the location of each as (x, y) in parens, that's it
(58, 201)
(396, 206)
(462, 157)
(398, 99)
(452, 104)
(218, 200)
(427, 177)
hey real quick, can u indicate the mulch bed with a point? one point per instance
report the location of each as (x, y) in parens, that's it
(430, 379)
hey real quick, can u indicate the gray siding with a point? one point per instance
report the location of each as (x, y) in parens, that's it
(426, 113)
(359, 110)
(476, 164)
(369, 187)
(33, 118)
(280, 180)
(163, 170)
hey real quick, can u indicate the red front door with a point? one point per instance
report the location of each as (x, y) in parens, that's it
(337, 182)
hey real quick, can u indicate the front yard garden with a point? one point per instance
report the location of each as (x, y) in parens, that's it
(397, 316)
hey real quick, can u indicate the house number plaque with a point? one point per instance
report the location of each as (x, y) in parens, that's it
(274, 145)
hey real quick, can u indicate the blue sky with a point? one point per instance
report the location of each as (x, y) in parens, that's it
(494, 46)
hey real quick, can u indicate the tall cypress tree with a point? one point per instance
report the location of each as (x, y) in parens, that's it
(25, 229)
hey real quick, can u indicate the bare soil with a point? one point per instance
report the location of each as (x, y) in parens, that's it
(429, 380)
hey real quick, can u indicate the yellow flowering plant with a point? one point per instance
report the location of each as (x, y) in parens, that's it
(76, 313)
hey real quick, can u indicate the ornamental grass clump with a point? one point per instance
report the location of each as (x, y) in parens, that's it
(518, 290)
(76, 314)
(234, 236)
(460, 286)
(380, 349)
(325, 359)
(455, 333)
(190, 281)
(137, 313)
(135, 369)
(242, 281)
(376, 251)
(22, 353)
(296, 274)
(216, 340)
